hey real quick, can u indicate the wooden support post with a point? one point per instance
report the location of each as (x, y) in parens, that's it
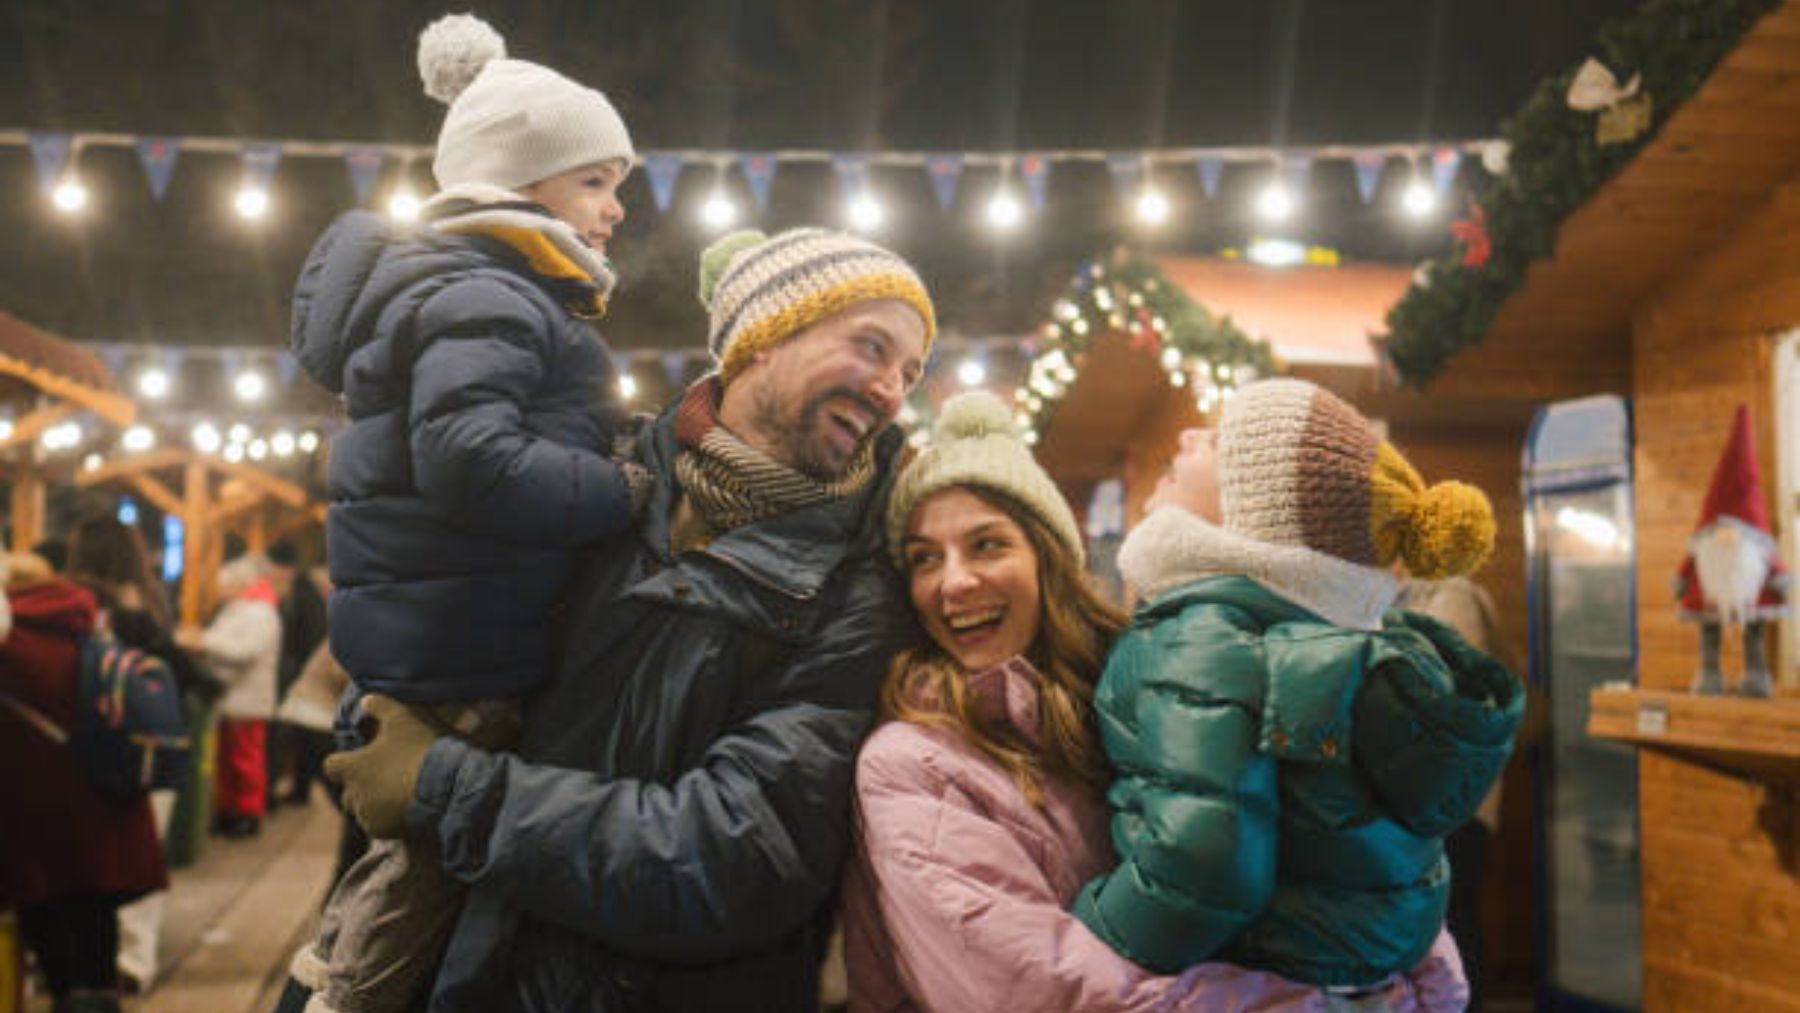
(196, 579)
(256, 531)
(27, 510)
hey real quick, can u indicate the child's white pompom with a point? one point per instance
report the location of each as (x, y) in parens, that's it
(971, 415)
(452, 51)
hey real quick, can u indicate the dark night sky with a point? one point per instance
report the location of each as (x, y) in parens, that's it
(751, 74)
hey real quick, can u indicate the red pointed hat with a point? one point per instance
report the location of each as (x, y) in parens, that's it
(1736, 489)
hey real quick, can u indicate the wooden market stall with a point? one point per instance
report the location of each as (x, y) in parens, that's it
(44, 381)
(216, 498)
(1675, 283)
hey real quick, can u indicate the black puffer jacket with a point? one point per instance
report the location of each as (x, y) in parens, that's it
(671, 834)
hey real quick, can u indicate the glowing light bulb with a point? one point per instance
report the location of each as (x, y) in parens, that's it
(138, 439)
(251, 202)
(628, 386)
(1275, 202)
(1004, 210)
(1152, 207)
(69, 196)
(403, 206)
(866, 213)
(718, 212)
(971, 373)
(1419, 199)
(153, 383)
(206, 438)
(249, 386)
(282, 443)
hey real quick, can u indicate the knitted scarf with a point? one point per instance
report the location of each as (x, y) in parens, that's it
(731, 483)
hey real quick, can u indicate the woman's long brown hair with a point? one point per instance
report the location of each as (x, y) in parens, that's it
(926, 686)
(111, 554)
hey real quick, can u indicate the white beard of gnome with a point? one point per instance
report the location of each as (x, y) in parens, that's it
(1732, 561)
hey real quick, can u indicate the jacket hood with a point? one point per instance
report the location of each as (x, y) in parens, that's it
(56, 605)
(1434, 723)
(361, 263)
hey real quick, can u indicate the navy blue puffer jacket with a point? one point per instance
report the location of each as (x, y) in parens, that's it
(473, 459)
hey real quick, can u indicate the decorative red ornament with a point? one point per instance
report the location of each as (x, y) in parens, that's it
(1144, 337)
(1472, 233)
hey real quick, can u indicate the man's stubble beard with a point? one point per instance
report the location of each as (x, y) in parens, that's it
(794, 446)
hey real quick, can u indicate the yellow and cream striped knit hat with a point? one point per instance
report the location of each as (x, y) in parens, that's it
(762, 290)
(1299, 467)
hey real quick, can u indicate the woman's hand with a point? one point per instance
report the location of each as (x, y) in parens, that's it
(379, 778)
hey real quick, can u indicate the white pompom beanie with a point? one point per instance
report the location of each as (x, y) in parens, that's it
(511, 122)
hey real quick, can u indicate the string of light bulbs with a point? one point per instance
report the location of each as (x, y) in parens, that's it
(1021, 187)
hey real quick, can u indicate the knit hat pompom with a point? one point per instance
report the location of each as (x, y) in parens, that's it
(452, 51)
(717, 257)
(972, 415)
(1452, 532)
(976, 445)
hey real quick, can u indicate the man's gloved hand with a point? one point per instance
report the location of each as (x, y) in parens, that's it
(379, 778)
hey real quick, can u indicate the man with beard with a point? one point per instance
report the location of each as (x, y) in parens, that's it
(1733, 574)
(670, 833)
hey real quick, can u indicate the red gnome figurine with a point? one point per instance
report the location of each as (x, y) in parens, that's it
(1733, 574)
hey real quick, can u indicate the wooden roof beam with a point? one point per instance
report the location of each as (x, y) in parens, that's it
(136, 464)
(35, 422)
(115, 408)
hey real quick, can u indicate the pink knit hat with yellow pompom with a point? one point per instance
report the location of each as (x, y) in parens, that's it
(1299, 467)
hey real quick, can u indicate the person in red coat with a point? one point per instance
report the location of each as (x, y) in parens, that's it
(71, 854)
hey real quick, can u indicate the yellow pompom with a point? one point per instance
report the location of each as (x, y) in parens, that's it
(1437, 532)
(1452, 532)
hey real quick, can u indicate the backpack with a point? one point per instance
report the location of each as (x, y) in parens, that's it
(130, 734)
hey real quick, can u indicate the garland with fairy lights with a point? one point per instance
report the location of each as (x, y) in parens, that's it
(1557, 156)
(1129, 293)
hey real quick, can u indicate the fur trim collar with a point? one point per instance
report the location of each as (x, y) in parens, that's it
(549, 244)
(1173, 547)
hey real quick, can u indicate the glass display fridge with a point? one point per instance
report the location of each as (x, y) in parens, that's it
(1581, 587)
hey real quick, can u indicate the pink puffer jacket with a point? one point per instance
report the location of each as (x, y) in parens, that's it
(955, 899)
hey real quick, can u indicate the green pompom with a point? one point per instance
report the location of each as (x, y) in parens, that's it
(715, 258)
(972, 415)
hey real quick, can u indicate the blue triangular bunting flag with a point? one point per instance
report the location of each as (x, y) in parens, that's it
(1369, 165)
(158, 157)
(759, 171)
(1127, 168)
(1036, 171)
(49, 151)
(944, 171)
(1212, 169)
(1444, 163)
(260, 159)
(364, 164)
(663, 168)
(852, 173)
(1297, 170)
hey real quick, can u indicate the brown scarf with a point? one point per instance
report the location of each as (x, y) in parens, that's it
(731, 483)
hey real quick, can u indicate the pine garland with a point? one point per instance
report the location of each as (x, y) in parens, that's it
(1128, 292)
(1554, 165)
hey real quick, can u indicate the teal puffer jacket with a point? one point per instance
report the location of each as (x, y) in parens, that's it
(1285, 784)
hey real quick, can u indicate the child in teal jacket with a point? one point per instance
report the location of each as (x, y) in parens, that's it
(1291, 753)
